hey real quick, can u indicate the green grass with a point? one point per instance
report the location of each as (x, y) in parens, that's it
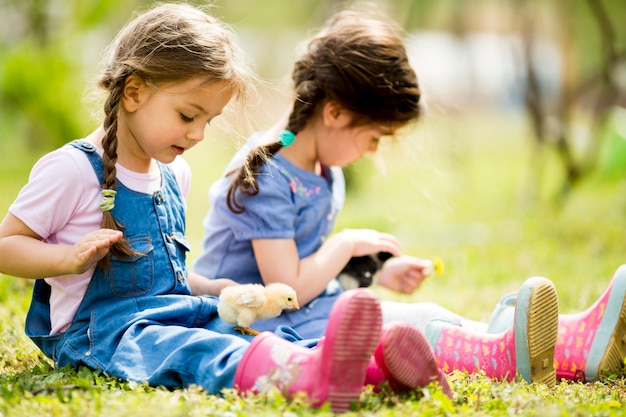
(460, 189)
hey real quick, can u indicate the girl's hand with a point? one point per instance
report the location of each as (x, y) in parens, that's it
(279, 260)
(368, 241)
(86, 253)
(403, 273)
(25, 254)
(201, 285)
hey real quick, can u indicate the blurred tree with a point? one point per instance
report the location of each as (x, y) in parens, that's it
(592, 83)
(42, 68)
(570, 119)
(39, 96)
(48, 48)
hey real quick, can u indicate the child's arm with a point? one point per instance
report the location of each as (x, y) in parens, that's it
(24, 254)
(201, 285)
(278, 259)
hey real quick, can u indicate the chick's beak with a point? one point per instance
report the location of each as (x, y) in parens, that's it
(293, 305)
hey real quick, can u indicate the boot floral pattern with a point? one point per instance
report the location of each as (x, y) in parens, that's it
(283, 375)
(591, 344)
(459, 349)
(575, 338)
(526, 348)
(573, 346)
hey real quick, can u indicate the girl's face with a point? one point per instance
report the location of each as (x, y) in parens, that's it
(350, 143)
(163, 123)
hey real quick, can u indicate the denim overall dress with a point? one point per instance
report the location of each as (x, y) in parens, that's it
(138, 320)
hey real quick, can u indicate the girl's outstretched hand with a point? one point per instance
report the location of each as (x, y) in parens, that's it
(368, 241)
(403, 273)
(92, 247)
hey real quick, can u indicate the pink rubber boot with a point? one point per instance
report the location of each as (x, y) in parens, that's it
(589, 343)
(334, 371)
(592, 343)
(404, 359)
(526, 347)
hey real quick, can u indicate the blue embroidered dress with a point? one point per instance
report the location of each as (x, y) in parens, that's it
(292, 204)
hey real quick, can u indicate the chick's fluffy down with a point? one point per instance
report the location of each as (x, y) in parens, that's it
(242, 305)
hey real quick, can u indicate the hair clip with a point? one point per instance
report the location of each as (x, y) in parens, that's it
(286, 138)
(108, 199)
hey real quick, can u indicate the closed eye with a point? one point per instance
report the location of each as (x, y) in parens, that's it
(186, 118)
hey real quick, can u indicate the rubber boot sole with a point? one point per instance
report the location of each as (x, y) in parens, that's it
(536, 330)
(352, 334)
(406, 359)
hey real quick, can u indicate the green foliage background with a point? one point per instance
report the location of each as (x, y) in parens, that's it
(462, 186)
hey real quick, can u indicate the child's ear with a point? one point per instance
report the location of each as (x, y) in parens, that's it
(135, 93)
(335, 115)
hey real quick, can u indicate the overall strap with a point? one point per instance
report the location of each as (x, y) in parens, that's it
(95, 160)
(98, 166)
(37, 324)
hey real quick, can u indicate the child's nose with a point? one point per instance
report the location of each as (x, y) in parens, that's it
(196, 133)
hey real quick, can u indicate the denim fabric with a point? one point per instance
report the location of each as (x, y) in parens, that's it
(138, 320)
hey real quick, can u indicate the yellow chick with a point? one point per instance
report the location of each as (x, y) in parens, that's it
(242, 305)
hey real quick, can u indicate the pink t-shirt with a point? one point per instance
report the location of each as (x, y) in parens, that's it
(61, 203)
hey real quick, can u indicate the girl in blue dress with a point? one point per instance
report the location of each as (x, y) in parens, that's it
(272, 216)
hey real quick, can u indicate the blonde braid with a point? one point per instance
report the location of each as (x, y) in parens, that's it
(120, 248)
(170, 43)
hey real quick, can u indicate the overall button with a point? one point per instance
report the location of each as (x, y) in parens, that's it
(86, 145)
(158, 197)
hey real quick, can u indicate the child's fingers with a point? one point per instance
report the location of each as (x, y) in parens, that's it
(409, 285)
(386, 245)
(83, 258)
(427, 268)
(107, 234)
(390, 240)
(101, 239)
(87, 252)
(102, 243)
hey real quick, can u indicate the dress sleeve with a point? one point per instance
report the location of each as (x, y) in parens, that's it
(54, 193)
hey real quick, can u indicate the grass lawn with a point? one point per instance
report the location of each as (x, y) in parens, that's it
(459, 188)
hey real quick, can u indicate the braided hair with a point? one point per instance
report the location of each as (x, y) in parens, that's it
(358, 61)
(170, 43)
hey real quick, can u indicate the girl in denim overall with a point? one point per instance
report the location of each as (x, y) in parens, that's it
(272, 216)
(100, 226)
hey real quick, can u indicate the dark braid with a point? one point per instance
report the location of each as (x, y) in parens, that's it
(244, 180)
(308, 96)
(358, 61)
